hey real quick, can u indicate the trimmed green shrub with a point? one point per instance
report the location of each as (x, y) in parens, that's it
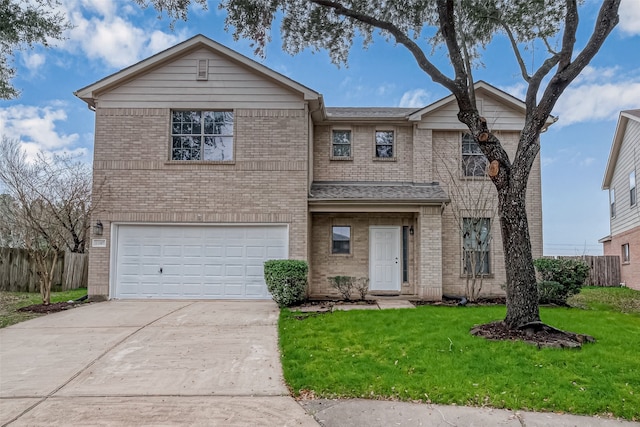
(286, 280)
(343, 284)
(362, 287)
(560, 278)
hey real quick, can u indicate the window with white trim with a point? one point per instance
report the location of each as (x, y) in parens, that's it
(476, 236)
(202, 135)
(612, 202)
(341, 143)
(385, 141)
(626, 256)
(633, 196)
(474, 162)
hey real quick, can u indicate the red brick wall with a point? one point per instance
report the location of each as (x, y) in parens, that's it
(630, 271)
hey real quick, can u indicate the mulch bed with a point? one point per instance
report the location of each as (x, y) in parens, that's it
(537, 333)
(51, 308)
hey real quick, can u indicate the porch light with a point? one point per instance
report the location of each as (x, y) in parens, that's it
(97, 229)
(411, 230)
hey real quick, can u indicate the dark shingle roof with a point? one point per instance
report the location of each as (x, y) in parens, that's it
(378, 191)
(368, 112)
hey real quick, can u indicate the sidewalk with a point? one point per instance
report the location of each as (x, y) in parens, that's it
(375, 413)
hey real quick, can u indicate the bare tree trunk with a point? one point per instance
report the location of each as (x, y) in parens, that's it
(522, 289)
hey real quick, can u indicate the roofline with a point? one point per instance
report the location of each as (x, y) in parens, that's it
(605, 239)
(616, 145)
(480, 84)
(89, 92)
(379, 201)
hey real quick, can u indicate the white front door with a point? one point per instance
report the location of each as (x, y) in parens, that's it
(384, 258)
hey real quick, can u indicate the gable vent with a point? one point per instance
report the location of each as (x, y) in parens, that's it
(203, 69)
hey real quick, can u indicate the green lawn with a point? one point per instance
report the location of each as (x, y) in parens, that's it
(10, 302)
(428, 354)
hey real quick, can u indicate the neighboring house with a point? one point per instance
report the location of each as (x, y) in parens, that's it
(210, 163)
(620, 178)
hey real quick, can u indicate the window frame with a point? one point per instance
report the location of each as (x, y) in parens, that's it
(633, 193)
(485, 248)
(612, 202)
(393, 144)
(471, 155)
(202, 135)
(405, 253)
(332, 143)
(332, 248)
(625, 253)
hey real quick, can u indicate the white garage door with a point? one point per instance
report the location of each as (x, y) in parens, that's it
(196, 262)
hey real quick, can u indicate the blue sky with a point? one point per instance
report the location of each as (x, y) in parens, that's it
(109, 35)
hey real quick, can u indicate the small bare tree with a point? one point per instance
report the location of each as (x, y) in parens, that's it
(48, 206)
(473, 206)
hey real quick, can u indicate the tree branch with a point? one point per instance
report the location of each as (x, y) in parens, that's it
(400, 37)
(569, 37)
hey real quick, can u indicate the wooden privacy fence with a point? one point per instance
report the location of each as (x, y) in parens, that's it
(18, 273)
(603, 270)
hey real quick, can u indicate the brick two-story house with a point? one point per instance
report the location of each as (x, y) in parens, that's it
(624, 208)
(207, 163)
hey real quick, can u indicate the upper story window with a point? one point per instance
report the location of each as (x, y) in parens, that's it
(341, 144)
(202, 135)
(633, 197)
(612, 202)
(385, 144)
(475, 245)
(474, 162)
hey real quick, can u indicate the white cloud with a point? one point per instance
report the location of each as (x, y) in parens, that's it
(591, 102)
(35, 127)
(630, 16)
(160, 41)
(33, 61)
(105, 30)
(518, 90)
(415, 98)
(105, 8)
(592, 74)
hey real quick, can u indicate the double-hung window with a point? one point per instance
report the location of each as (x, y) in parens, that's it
(476, 237)
(341, 144)
(385, 144)
(633, 195)
(474, 162)
(202, 135)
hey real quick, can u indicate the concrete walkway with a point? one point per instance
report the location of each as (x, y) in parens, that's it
(135, 363)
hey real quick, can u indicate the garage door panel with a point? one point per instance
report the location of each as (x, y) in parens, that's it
(231, 270)
(196, 261)
(171, 250)
(275, 252)
(213, 270)
(255, 251)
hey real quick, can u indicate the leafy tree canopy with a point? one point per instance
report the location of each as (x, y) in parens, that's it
(24, 24)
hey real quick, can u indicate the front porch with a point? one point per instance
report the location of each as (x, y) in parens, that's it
(394, 243)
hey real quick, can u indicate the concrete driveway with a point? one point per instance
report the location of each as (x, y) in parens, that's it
(147, 363)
